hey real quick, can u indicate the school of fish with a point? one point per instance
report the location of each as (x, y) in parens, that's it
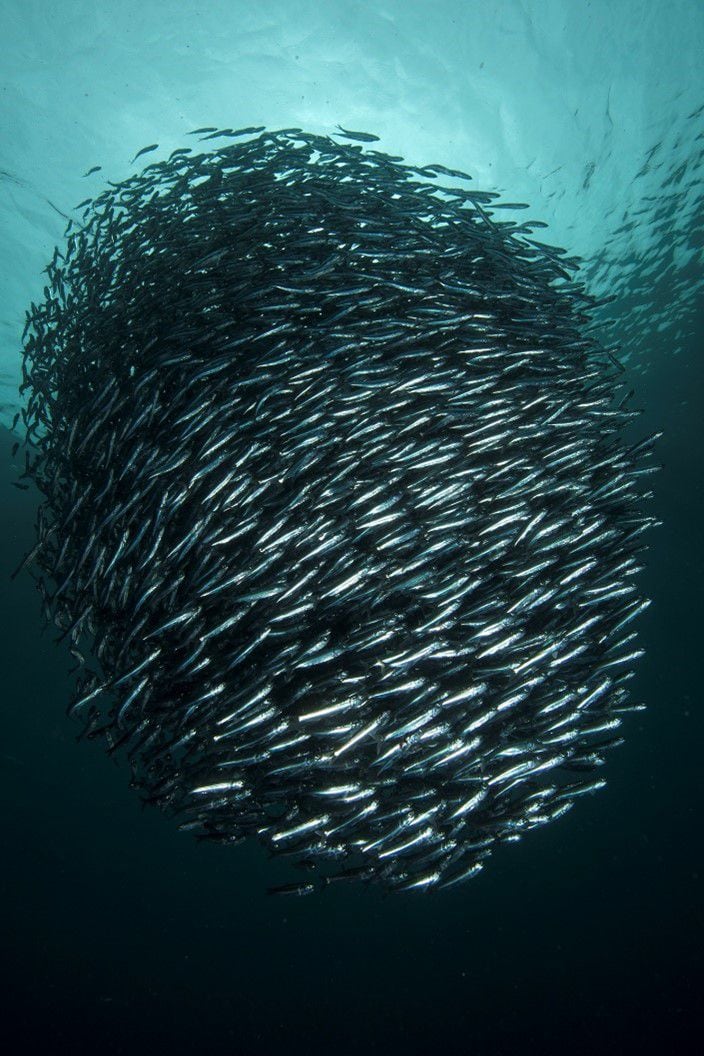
(340, 514)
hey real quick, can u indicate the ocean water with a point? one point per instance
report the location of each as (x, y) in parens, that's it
(122, 934)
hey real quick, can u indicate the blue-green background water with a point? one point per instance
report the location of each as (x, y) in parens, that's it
(121, 934)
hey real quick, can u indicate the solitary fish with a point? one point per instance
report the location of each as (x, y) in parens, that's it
(145, 150)
(361, 137)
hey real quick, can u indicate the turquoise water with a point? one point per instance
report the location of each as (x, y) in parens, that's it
(122, 934)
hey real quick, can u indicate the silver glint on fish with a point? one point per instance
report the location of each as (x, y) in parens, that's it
(339, 518)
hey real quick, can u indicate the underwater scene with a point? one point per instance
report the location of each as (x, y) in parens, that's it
(351, 407)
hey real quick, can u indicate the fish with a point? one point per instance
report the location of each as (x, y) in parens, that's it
(57, 210)
(96, 168)
(338, 518)
(304, 888)
(456, 174)
(360, 137)
(145, 150)
(220, 132)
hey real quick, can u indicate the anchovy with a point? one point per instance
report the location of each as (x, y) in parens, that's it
(145, 150)
(360, 137)
(337, 514)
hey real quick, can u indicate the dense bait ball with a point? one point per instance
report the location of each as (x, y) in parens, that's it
(338, 515)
